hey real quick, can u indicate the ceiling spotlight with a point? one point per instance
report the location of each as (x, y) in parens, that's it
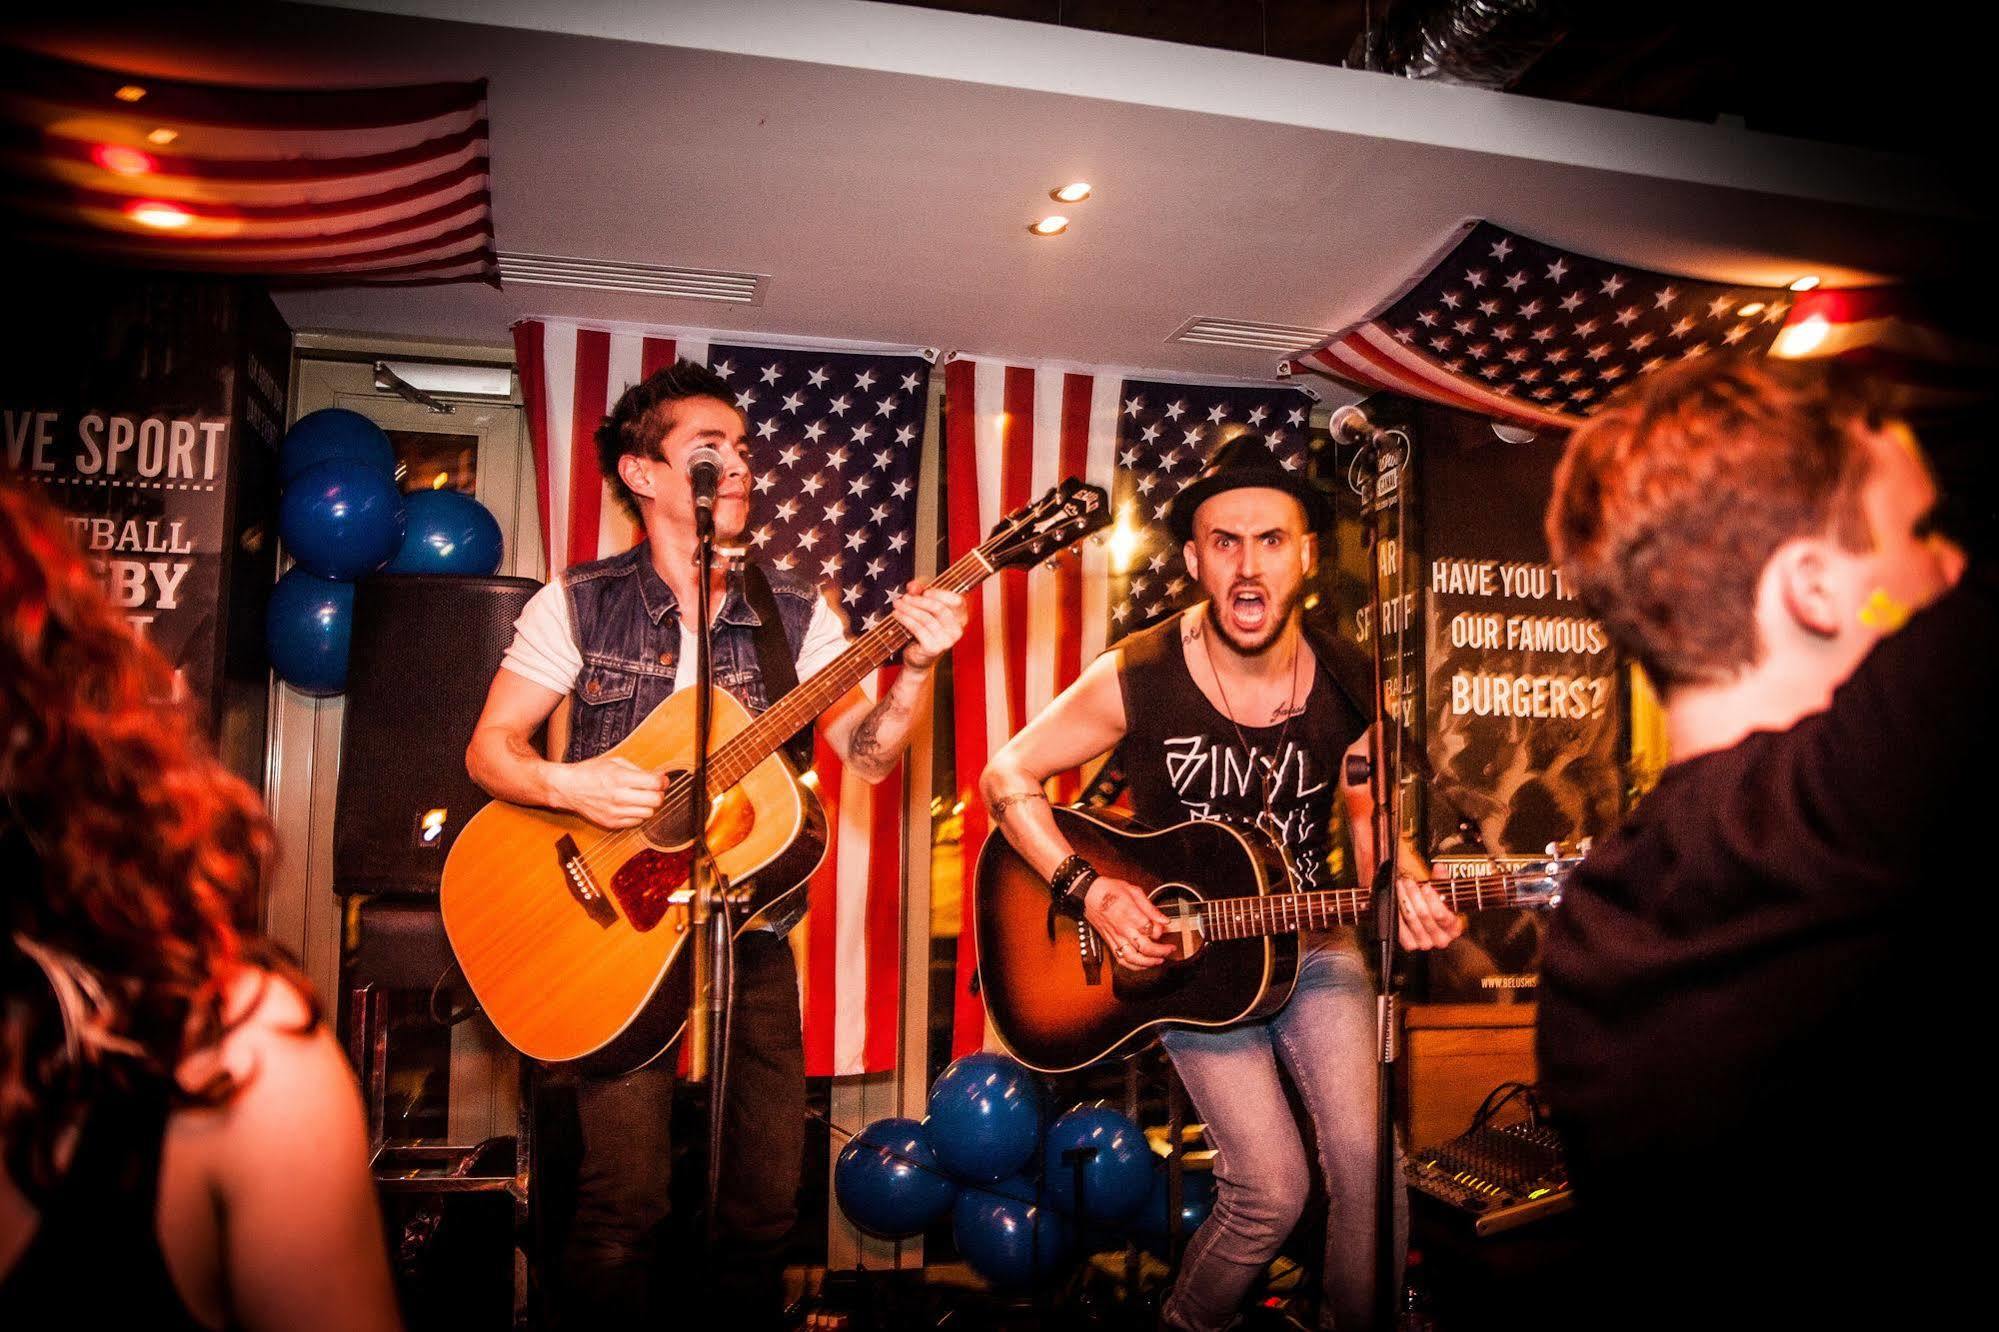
(131, 92)
(154, 213)
(163, 136)
(1804, 284)
(1052, 225)
(1753, 308)
(1074, 192)
(120, 160)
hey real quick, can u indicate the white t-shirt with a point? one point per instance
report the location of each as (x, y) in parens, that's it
(544, 649)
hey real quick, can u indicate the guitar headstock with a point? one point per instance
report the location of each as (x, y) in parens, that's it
(1034, 532)
(1540, 886)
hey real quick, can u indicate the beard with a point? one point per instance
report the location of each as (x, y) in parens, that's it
(1259, 640)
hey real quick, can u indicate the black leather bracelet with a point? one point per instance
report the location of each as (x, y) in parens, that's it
(1072, 878)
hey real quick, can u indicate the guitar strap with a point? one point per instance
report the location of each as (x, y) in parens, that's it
(774, 658)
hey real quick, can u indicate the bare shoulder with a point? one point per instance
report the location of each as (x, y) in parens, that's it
(283, 1062)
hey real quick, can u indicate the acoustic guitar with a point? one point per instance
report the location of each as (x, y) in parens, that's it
(572, 936)
(1059, 1000)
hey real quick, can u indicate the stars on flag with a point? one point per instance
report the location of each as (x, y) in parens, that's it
(1560, 308)
(806, 474)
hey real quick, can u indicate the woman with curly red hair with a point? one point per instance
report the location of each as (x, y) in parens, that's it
(182, 1141)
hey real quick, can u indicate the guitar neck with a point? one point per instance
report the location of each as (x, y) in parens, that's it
(777, 723)
(1287, 913)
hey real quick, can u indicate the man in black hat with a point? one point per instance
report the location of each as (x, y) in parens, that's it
(1232, 711)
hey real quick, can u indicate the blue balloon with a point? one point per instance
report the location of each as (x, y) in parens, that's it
(447, 532)
(341, 519)
(889, 1182)
(335, 433)
(1116, 1176)
(985, 1117)
(1006, 1236)
(306, 631)
(1197, 1199)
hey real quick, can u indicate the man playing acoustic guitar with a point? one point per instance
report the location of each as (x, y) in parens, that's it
(1232, 711)
(611, 635)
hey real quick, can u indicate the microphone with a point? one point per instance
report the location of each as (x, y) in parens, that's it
(704, 475)
(1350, 426)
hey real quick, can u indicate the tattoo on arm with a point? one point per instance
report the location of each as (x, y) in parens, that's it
(867, 750)
(999, 807)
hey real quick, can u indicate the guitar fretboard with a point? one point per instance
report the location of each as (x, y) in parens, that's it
(777, 723)
(1286, 913)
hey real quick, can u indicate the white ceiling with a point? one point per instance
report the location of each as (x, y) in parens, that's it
(793, 139)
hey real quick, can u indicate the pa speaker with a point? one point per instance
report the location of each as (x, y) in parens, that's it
(425, 647)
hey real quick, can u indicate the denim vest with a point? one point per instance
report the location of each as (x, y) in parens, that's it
(627, 625)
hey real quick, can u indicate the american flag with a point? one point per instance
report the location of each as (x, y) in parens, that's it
(1505, 326)
(1898, 334)
(836, 437)
(1165, 433)
(1012, 431)
(303, 186)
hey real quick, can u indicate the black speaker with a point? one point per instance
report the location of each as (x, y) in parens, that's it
(425, 647)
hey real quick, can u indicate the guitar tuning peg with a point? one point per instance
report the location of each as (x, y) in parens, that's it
(1097, 540)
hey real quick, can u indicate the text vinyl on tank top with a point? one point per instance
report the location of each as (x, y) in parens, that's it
(1185, 759)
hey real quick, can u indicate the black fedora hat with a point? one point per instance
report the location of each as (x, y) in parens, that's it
(1242, 461)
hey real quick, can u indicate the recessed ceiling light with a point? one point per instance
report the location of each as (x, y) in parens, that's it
(131, 92)
(1753, 308)
(1804, 284)
(1053, 225)
(154, 213)
(120, 160)
(163, 136)
(1074, 192)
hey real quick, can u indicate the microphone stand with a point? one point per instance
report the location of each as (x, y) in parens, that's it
(709, 932)
(1385, 781)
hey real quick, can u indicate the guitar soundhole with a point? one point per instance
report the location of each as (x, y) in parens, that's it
(672, 828)
(1182, 907)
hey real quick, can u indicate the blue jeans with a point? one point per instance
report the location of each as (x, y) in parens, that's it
(1325, 1038)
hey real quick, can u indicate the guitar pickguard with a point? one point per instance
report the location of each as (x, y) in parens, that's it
(645, 884)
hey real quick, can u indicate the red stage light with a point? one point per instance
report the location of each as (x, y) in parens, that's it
(124, 161)
(154, 213)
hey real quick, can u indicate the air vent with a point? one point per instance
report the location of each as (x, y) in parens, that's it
(1248, 333)
(693, 284)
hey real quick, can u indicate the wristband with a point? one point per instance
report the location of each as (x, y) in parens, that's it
(1071, 880)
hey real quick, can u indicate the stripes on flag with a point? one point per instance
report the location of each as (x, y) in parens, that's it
(1505, 326)
(1895, 333)
(1011, 432)
(377, 186)
(850, 484)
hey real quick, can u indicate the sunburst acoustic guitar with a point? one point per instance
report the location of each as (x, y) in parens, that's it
(1057, 999)
(572, 937)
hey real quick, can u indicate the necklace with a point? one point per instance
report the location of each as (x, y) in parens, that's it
(1267, 780)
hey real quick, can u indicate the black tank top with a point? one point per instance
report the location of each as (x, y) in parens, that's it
(95, 1258)
(1185, 759)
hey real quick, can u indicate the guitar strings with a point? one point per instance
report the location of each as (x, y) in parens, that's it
(961, 577)
(768, 730)
(1233, 914)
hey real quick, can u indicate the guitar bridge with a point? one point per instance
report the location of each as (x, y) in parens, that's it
(582, 887)
(1092, 953)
